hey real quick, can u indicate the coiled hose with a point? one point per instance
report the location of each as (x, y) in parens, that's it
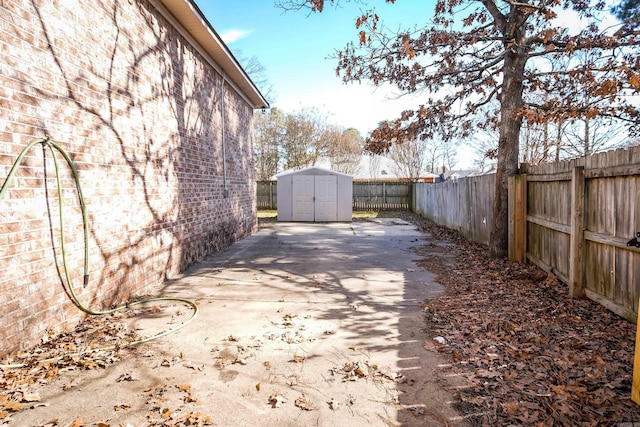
(53, 147)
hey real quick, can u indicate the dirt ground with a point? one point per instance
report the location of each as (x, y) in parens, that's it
(509, 345)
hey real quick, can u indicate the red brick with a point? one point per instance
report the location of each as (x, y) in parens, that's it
(154, 197)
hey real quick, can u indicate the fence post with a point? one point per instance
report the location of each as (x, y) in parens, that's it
(576, 245)
(517, 187)
(412, 196)
(384, 196)
(271, 195)
(635, 385)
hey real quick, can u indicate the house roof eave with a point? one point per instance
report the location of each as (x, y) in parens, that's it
(193, 21)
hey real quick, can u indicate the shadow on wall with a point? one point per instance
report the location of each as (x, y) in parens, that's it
(140, 113)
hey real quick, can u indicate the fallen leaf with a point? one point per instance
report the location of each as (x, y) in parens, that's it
(297, 359)
(417, 411)
(276, 400)
(429, 345)
(188, 398)
(488, 374)
(258, 386)
(333, 404)
(51, 423)
(193, 366)
(293, 380)
(360, 372)
(183, 387)
(305, 404)
(195, 419)
(13, 406)
(127, 376)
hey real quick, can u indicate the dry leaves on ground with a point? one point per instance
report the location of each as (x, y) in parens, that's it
(531, 355)
(95, 343)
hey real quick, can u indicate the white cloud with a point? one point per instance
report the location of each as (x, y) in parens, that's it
(231, 36)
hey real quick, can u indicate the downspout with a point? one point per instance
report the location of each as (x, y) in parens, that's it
(225, 191)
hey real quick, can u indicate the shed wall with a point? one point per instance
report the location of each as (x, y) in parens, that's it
(344, 199)
(285, 198)
(139, 110)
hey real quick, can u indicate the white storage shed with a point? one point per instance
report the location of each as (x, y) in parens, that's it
(314, 195)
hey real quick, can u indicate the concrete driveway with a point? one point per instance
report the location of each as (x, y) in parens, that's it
(299, 325)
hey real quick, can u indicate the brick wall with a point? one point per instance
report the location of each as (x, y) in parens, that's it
(139, 111)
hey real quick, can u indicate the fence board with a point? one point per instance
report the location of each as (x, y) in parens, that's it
(367, 196)
(611, 207)
(465, 205)
(267, 195)
(382, 195)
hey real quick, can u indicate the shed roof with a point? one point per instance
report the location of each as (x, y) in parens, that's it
(191, 18)
(311, 171)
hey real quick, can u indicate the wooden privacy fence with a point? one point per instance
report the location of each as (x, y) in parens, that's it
(366, 195)
(267, 195)
(382, 196)
(465, 205)
(574, 219)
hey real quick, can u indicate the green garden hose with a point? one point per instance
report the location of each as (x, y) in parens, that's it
(53, 147)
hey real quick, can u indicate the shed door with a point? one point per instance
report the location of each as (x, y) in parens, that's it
(326, 193)
(302, 193)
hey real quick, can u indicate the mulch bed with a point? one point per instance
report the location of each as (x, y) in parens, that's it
(530, 354)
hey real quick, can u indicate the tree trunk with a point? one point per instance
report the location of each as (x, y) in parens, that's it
(558, 141)
(508, 145)
(545, 147)
(587, 138)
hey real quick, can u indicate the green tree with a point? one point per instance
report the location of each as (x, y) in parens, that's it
(474, 52)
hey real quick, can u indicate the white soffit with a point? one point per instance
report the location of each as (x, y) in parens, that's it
(192, 20)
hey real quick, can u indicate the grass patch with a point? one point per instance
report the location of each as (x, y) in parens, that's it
(269, 215)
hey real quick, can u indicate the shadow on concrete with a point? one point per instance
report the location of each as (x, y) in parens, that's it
(360, 285)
